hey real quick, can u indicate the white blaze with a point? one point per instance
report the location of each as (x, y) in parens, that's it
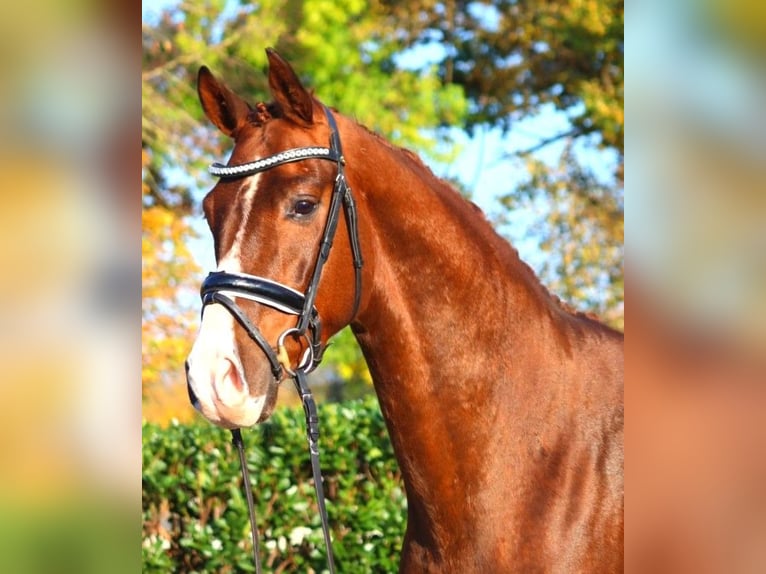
(214, 368)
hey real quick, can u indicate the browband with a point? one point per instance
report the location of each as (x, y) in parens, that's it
(289, 156)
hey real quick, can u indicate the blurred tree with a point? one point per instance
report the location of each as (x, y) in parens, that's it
(165, 325)
(514, 56)
(581, 233)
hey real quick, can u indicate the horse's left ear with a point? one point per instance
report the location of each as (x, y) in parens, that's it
(223, 107)
(296, 102)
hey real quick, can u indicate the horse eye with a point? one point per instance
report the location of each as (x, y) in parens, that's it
(304, 207)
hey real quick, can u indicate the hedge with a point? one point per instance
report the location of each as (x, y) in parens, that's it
(195, 514)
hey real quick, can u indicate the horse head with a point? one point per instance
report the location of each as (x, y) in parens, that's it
(273, 216)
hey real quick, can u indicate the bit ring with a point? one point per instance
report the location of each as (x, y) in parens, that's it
(284, 358)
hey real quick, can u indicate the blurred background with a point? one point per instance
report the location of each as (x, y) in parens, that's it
(696, 384)
(69, 367)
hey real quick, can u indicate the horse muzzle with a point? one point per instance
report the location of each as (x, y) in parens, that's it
(216, 381)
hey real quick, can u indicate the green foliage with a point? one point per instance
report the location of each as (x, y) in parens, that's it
(350, 58)
(512, 57)
(345, 369)
(195, 514)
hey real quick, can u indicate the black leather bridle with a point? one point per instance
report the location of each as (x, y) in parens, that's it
(221, 288)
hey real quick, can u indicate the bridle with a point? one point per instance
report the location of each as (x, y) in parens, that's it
(219, 284)
(222, 288)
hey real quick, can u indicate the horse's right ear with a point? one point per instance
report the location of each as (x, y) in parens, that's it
(224, 108)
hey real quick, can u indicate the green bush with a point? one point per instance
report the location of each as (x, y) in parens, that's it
(195, 513)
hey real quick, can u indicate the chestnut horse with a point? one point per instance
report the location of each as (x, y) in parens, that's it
(505, 409)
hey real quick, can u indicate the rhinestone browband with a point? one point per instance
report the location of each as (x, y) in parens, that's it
(220, 170)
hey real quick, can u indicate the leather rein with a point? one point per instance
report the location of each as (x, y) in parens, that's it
(222, 288)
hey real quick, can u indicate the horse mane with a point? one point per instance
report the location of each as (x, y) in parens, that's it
(262, 112)
(498, 241)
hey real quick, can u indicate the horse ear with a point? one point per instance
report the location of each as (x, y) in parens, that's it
(224, 108)
(296, 102)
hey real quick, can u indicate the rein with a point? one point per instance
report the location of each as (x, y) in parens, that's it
(222, 288)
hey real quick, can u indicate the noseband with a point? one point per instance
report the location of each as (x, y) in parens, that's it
(222, 288)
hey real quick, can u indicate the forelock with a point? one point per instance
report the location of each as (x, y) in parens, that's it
(263, 112)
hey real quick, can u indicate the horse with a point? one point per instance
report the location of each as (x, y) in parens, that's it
(504, 406)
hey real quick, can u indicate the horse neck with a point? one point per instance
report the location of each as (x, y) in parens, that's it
(441, 279)
(448, 298)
